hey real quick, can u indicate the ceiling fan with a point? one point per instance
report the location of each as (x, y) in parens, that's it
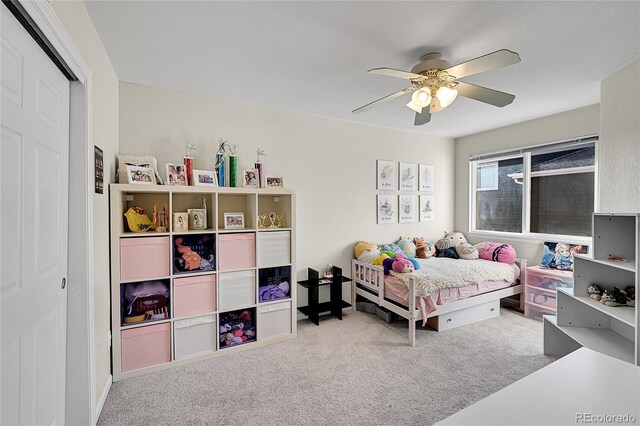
(435, 85)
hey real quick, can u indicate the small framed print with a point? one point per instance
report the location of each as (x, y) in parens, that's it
(387, 175)
(387, 206)
(234, 221)
(427, 208)
(426, 178)
(250, 178)
(177, 174)
(274, 182)
(141, 175)
(408, 208)
(180, 222)
(408, 176)
(205, 178)
(197, 219)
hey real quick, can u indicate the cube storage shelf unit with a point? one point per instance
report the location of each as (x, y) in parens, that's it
(233, 301)
(582, 321)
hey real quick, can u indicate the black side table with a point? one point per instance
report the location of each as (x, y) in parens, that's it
(334, 305)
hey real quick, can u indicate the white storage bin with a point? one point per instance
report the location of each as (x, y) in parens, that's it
(236, 289)
(194, 336)
(274, 320)
(274, 248)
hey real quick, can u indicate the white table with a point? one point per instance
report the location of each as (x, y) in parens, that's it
(584, 383)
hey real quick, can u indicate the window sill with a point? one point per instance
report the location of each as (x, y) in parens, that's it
(533, 237)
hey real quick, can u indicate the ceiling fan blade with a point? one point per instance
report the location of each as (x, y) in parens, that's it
(383, 99)
(392, 72)
(423, 118)
(483, 94)
(488, 62)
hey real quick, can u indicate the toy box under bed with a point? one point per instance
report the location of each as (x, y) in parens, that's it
(440, 291)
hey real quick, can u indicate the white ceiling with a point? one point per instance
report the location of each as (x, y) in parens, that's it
(313, 56)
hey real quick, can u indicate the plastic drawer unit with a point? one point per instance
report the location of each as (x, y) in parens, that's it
(144, 257)
(274, 248)
(236, 251)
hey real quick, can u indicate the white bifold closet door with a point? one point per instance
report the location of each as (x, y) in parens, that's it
(34, 163)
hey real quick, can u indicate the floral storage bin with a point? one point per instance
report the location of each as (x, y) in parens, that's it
(194, 253)
(237, 327)
(274, 283)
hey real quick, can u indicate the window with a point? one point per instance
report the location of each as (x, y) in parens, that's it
(558, 178)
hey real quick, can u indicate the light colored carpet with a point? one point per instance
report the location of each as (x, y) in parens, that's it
(355, 371)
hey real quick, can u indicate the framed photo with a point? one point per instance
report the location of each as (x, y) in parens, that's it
(387, 175)
(427, 208)
(177, 174)
(408, 176)
(205, 178)
(426, 177)
(234, 221)
(387, 206)
(141, 175)
(408, 209)
(180, 222)
(274, 182)
(197, 218)
(250, 178)
(556, 255)
(136, 160)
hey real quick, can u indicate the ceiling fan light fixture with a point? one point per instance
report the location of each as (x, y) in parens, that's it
(421, 98)
(415, 107)
(446, 96)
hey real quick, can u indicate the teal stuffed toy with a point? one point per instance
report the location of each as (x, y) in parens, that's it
(407, 246)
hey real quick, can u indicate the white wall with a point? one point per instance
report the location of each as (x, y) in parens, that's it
(619, 151)
(78, 25)
(329, 163)
(557, 127)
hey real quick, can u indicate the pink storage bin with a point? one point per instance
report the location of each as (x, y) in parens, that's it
(236, 251)
(194, 295)
(144, 257)
(146, 346)
(548, 278)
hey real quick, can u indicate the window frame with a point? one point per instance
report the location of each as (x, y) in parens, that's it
(495, 186)
(525, 154)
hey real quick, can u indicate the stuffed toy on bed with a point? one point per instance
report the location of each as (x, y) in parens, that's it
(446, 247)
(390, 247)
(424, 249)
(456, 237)
(408, 248)
(467, 251)
(497, 252)
(366, 251)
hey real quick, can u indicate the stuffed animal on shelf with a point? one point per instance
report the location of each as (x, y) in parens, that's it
(457, 238)
(497, 252)
(366, 251)
(402, 264)
(467, 251)
(616, 297)
(595, 291)
(408, 247)
(631, 292)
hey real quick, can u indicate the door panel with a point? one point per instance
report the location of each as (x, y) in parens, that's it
(34, 156)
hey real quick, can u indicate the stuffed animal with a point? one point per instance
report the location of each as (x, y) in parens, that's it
(595, 291)
(378, 260)
(421, 247)
(444, 243)
(408, 248)
(416, 264)
(631, 292)
(547, 257)
(467, 251)
(449, 252)
(391, 254)
(402, 264)
(387, 264)
(457, 237)
(390, 247)
(497, 252)
(366, 251)
(616, 297)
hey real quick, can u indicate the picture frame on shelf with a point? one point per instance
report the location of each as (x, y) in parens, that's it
(408, 209)
(426, 178)
(387, 206)
(427, 208)
(136, 160)
(180, 222)
(559, 254)
(274, 182)
(234, 221)
(386, 175)
(197, 219)
(205, 178)
(140, 175)
(176, 174)
(408, 176)
(250, 178)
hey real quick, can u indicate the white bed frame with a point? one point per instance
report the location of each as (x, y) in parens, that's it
(368, 282)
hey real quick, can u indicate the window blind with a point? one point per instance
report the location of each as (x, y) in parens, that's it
(537, 149)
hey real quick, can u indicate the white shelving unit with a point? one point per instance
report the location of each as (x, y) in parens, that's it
(582, 321)
(273, 320)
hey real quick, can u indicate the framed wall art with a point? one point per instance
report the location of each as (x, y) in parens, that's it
(408, 176)
(427, 208)
(177, 174)
(426, 178)
(387, 206)
(408, 208)
(140, 175)
(387, 175)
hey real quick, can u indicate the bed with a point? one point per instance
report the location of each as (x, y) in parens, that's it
(445, 305)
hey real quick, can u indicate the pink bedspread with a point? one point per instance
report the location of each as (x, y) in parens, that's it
(397, 291)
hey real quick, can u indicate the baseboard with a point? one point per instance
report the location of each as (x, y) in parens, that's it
(103, 396)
